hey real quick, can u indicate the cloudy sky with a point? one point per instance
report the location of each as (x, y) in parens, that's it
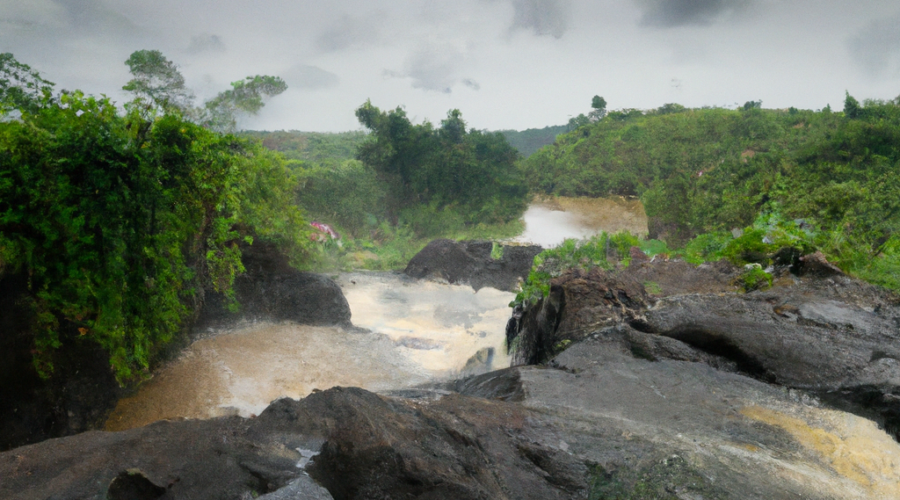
(504, 63)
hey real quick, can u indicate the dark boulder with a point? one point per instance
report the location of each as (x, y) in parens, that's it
(271, 290)
(580, 303)
(78, 397)
(827, 334)
(470, 262)
(845, 354)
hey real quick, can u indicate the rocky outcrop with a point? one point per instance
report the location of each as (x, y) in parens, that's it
(271, 290)
(843, 353)
(824, 333)
(581, 302)
(470, 262)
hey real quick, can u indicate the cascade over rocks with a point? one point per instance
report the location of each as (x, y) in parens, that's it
(83, 391)
(659, 380)
(622, 412)
(470, 262)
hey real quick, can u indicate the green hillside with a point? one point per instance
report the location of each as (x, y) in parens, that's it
(712, 170)
(528, 141)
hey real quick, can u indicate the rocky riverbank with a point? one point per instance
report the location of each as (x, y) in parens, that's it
(660, 380)
(82, 392)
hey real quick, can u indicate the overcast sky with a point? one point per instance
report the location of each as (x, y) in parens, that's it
(504, 63)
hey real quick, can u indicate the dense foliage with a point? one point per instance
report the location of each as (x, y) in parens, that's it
(711, 170)
(469, 172)
(318, 147)
(117, 220)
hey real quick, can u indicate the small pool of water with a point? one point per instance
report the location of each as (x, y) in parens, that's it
(549, 221)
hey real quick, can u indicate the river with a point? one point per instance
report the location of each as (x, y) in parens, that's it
(418, 331)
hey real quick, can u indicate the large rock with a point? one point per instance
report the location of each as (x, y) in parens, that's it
(470, 262)
(846, 354)
(271, 290)
(828, 334)
(580, 303)
(606, 422)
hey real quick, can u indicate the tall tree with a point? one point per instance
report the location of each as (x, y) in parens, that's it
(599, 111)
(157, 80)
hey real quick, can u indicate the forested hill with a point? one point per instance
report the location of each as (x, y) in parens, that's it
(712, 169)
(528, 141)
(311, 146)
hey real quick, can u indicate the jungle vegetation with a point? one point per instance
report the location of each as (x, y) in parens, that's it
(119, 217)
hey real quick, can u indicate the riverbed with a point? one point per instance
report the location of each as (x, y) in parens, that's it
(407, 333)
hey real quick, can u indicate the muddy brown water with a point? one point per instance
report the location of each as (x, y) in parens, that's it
(549, 221)
(420, 331)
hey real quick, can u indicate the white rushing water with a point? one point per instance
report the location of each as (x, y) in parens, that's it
(420, 331)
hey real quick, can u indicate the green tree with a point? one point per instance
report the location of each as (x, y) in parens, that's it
(245, 97)
(21, 88)
(599, 111)
(471, 172)
(157, 80)
(852, 109)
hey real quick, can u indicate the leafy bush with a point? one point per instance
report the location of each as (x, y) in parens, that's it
(754, 278)
(117, 220)
(550, 263)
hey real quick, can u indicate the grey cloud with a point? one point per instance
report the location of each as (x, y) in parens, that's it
(435, 68)
(348, 32)
(205, 43)
(472, 84)
(876, 48)
(311, 78)
(542, 17)
(673, 13)
(93, 17)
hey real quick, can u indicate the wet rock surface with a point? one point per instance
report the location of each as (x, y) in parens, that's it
(598, 422)
(824, 333)
(470, 262)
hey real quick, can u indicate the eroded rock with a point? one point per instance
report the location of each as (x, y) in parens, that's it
(470, 262)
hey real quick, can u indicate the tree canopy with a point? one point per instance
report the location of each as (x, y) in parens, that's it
(157, 81)
(470, 171)
(21, 88)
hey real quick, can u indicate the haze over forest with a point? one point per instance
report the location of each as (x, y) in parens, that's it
(507, 64)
